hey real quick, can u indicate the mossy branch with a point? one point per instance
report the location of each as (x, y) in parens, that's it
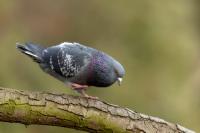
(77, 112)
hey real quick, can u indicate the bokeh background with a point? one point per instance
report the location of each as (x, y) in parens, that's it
(156, 41)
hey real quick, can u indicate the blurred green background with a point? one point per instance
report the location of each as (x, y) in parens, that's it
(156, 41)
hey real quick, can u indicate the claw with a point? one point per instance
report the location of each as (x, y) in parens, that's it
(91, 97)
(83, 93)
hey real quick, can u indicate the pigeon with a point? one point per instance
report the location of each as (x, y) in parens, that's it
(76, 65)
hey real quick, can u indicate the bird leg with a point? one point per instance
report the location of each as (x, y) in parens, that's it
(77, 86)
(81, 90)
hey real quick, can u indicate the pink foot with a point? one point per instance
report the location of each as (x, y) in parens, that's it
(81, 90)
(91, 97)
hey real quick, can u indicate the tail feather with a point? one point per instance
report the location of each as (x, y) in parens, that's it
(32, 50)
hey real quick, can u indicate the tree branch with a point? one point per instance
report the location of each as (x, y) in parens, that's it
(78, 113)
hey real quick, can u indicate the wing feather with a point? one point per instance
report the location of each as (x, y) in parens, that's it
(67, 60)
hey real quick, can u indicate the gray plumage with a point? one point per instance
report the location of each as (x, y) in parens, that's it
(75, 63)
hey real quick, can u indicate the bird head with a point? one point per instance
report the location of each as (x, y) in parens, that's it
(105, 71)
(119, 71)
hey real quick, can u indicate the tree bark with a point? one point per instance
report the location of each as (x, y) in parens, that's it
(43, 108)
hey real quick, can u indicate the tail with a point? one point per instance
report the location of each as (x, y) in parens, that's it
(32, 50)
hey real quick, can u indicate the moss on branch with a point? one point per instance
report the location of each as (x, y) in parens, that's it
(77, 112)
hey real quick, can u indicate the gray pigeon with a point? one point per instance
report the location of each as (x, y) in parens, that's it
(76, 65)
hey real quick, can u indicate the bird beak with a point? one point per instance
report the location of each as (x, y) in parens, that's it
(119, 80)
